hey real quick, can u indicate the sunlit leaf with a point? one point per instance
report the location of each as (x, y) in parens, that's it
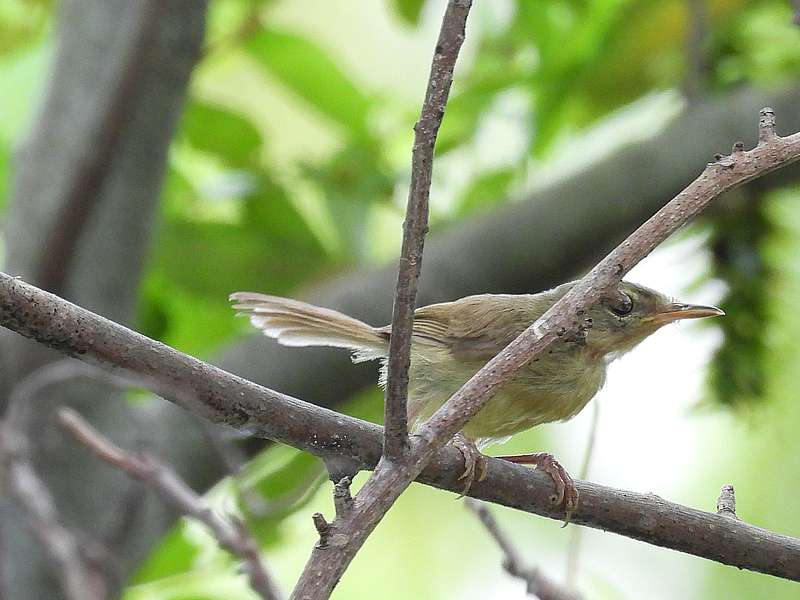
(216, 130)
(312, 74)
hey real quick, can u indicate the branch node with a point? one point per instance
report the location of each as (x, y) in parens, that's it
(342, 500)
(323, 529)
(766, 125)
(726, 503)
(737, 148)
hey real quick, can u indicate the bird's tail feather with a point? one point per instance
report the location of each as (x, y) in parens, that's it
(295, 323)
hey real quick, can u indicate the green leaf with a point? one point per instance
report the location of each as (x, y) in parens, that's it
(311, 73)
(216, 130)
(409, 10)
(175, 554)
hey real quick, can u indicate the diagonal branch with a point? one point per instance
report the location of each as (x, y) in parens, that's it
(222, 397)
(231, 534)
(78, 580)
(451, 36)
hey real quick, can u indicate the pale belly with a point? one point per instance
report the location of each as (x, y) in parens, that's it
(554, 388)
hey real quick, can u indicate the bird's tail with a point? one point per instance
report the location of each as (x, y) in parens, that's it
(295, 323)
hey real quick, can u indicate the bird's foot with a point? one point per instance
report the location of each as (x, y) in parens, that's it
(474, 462)
(566, 492)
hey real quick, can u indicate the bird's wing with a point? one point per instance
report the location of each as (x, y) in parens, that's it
(477, 327)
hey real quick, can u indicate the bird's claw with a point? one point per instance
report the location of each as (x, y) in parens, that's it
(566, 493)
(475, 464)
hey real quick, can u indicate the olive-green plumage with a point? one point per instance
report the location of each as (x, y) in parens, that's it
(452, 340)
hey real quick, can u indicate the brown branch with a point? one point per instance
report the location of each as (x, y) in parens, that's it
(451, 36)
(222, 397)
(231, 534)
(537, 584)
(78, 580)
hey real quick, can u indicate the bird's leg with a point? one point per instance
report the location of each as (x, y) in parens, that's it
(474, 462)
(566, 492)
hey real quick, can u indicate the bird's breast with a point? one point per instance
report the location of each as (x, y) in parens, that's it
(554, 388)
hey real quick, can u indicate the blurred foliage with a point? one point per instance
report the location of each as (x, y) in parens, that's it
(740, 228)
(291, 163)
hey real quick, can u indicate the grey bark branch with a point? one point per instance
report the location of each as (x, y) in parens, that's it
(451, 36)
(536, 582)
(231, 533)
(223, 397)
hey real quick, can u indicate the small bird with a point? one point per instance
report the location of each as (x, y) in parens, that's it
(452, 340)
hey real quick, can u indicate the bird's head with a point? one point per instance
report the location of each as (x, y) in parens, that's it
(625, 317)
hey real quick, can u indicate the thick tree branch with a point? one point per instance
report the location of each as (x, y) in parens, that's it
(536, 582)
(225, 398)
(82, 193)
(231, 534)
(451, 36)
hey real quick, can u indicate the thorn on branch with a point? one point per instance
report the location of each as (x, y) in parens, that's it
(766, 125)
(726, 503)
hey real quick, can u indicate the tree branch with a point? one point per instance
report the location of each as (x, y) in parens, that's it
(222, 397)
(82, 193)
(78, 580)
(451, 36)
(537, 584)
(231, 534)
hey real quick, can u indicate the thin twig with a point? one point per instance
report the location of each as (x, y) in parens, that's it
(78, 580)
(231, 534)
(574, 548)
(537, 584)
(451, 36)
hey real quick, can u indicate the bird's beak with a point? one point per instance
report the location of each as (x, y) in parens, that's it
(676, 311)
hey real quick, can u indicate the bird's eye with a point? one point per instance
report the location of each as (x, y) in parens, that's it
(621, 306)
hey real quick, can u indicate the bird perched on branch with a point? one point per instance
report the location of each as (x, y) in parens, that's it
(451, 341)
